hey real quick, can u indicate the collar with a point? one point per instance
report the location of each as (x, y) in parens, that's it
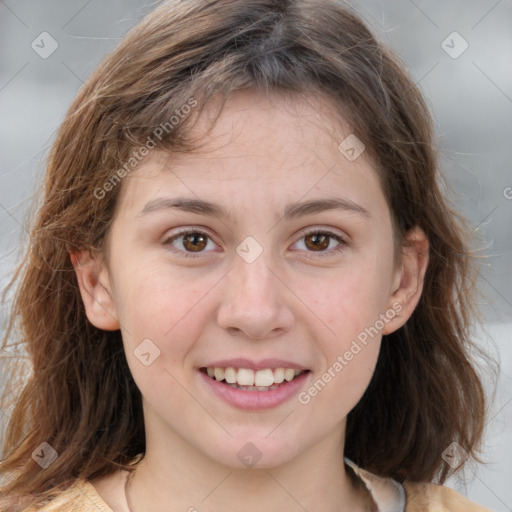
(388, 494)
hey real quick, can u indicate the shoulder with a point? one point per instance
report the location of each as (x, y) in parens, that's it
(82, 496)
(414, 496)
(104, 494)
(427, 497)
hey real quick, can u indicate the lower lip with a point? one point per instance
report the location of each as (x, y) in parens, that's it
(256, 400)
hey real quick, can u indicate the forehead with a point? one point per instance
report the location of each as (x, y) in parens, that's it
(289, 143)
(275, 121)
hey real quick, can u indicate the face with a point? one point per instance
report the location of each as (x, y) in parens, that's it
(267, 250)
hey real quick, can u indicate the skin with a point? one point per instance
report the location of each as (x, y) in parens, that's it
(291, 303)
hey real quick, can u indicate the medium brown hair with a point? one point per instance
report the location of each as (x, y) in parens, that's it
(80, 397)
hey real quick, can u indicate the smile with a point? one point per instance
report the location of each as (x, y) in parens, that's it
(252, 380)
(251, 389)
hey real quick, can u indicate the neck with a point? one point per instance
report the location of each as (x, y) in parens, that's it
(186, 479)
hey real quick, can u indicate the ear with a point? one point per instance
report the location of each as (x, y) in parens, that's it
(93, 280)
(408, 282)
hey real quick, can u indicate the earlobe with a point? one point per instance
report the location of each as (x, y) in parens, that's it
(408, 285)
(93, 281)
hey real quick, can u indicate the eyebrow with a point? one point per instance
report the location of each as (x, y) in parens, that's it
(291, 211)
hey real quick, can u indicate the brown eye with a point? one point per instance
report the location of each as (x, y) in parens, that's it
(190, 243)
(322, 243)
(317, 241)
(194, 242)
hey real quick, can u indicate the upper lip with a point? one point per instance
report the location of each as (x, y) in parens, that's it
(254, 365)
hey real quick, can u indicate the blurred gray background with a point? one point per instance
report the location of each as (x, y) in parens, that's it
(459, 52)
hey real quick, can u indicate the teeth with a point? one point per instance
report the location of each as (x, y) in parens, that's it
(245, 377)
(264, 378)
(278, 375)
(230, 375)
(260, 380)
(288, 374)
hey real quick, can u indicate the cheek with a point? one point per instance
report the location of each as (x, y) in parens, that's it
(343, 382)
(350, 306)
(161, 318)
(165, 306)
(352, 299)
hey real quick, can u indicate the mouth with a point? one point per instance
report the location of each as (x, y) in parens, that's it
(247, 379)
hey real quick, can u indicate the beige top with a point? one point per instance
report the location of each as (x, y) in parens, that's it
(389, 496)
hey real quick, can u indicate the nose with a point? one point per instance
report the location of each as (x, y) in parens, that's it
(254, 301)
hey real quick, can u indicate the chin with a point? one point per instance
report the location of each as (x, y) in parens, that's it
(256, 452)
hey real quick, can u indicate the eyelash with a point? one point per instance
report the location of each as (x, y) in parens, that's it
(342, 242)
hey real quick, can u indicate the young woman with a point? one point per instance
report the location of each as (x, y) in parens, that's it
(243, 287)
